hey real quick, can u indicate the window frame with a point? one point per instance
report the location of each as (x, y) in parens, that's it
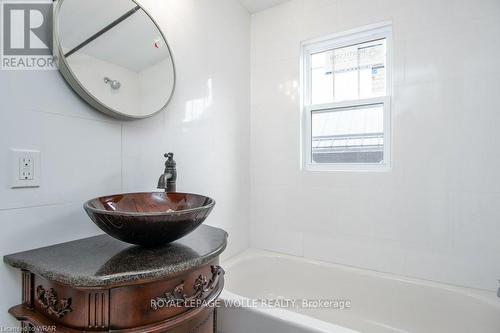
(339, 40)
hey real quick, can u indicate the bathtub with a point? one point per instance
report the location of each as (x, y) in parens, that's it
(267, 292)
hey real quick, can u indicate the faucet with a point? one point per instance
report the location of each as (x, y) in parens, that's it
(169, 177)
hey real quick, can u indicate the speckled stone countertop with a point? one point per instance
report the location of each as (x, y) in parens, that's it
(104, 261)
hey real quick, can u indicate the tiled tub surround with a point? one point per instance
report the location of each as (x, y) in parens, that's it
(436, 214)
(379, 303)
(207, 122)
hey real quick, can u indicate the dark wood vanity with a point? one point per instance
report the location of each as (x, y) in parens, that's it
(100, 284)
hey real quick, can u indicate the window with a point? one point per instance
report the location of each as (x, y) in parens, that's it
(346, 84)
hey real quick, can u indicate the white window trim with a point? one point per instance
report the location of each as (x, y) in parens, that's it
(360, 35)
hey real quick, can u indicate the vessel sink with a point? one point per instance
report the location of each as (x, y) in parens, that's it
(149, 219)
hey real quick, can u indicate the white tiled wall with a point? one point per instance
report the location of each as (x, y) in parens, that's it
(436, 215)
(86, 154)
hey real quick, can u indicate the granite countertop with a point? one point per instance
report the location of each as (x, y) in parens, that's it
(104, 261)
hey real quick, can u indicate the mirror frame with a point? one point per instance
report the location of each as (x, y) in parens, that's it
(78, 87)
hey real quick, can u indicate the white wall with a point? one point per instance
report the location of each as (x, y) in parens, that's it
(436, 215)
(86, 154)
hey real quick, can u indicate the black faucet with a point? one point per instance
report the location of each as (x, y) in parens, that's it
(169, 177)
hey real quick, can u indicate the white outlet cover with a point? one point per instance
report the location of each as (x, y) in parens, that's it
(16, 157)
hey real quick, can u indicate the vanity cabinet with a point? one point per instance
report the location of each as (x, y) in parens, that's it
(100, 284)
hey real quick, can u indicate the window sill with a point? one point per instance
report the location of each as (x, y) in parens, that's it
(347, 167)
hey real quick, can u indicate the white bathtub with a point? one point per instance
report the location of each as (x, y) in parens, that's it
(380, 303)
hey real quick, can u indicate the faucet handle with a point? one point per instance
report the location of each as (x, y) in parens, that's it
(168, 179)
(170, 160)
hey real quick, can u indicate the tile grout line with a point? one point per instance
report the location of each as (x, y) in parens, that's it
(121, 157)
(38, 206)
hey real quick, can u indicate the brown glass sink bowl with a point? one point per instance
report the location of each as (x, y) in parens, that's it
(149, 219)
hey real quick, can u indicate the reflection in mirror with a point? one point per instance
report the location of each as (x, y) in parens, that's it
(115, 56)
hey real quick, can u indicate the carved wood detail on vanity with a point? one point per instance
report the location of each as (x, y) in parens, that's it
(27, 289)
(136, 302)
(51, 303)
(97, 310)
(125, 308)
(202, 288)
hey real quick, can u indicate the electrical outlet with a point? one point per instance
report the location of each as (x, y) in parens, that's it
(25, 168)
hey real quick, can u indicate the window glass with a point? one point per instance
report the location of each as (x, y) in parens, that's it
(349, 73)
(348, 135)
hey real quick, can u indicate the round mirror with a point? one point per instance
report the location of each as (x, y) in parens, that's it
(114, 55)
